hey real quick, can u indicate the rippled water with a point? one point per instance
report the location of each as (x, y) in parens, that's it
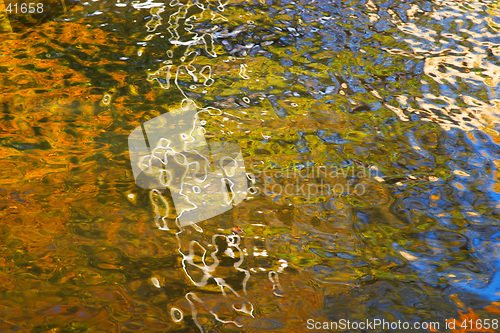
(370, 129)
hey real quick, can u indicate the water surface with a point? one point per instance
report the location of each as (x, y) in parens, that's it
(398, 100)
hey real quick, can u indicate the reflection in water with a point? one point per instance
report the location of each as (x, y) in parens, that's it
(183, 166)
(181, 162)
(409, 89)
(463, 54)
(444, 66)
(192, 205)
(451, 65)
(186, 45)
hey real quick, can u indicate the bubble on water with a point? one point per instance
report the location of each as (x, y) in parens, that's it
(155, 282)
(106, 99)
(176, 315)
